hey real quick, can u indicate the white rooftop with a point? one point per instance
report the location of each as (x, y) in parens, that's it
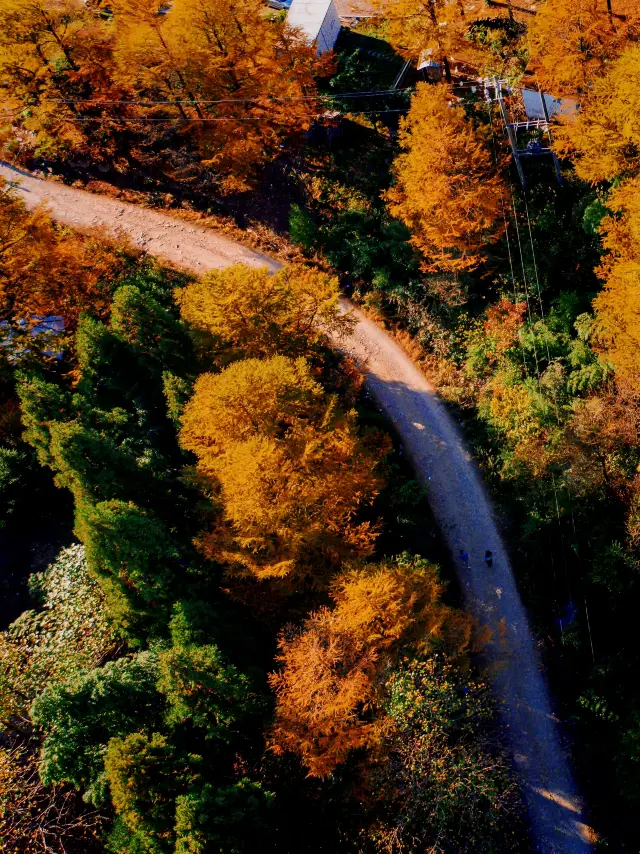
(309, 15)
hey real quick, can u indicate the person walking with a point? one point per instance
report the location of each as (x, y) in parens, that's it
(488, 558)
(464, 557)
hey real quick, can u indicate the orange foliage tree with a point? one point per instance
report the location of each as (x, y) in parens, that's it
(45, 270)
(604, 143)
(55, 58)
(260, 314)
(115, 81)
(412, 26)
(235, 77)
(617, 327)
(573, 41)
(446, 189)
(288, 467)
(334, 667)
(604, 139)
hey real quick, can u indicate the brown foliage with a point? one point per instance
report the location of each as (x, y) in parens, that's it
(36, 819)
(333, 667)
(503, 322)
(606, 425)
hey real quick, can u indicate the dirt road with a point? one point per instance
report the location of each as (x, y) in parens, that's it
(432, 441)
(444, 466)
(183, 244)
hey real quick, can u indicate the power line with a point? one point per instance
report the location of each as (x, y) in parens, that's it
(470, 84)
(197, 120)
(204, 102)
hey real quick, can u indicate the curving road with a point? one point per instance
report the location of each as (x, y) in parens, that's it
(183, 244)
(444, 466)
(460, 504)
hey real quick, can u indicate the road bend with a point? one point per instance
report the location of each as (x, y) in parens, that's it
(449, 475)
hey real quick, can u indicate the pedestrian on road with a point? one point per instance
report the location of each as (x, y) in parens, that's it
(488, 558)
(464, 557)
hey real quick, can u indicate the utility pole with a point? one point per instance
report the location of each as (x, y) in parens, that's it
(545, 111)
(510, 131)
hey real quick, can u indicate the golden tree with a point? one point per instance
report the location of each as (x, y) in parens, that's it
(573, 41)
(45, 270)
(604, 139)
(618, 320)
(617, 327)
(261, 314)
(446, 189)
(55, 56)
(238, 78)
(333, 668)
(413, 26)
(250, 398)
(620, 231)
(290, 472)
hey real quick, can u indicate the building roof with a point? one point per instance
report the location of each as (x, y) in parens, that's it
(555, 106)
(309, 16)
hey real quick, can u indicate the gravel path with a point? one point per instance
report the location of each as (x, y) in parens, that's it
(444, 466)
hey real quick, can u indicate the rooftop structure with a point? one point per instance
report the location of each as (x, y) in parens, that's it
(318, 20)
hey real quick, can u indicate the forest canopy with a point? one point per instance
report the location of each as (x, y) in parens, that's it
(230, 621)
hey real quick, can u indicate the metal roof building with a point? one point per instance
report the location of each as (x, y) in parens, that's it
(318, 20)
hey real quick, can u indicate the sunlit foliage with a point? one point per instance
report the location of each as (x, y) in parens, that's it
(572, 42)
(46, 270)
(332, 669)
(437, 26)
(446, 191)
(290, 469)
(260, 314)
(604, 139)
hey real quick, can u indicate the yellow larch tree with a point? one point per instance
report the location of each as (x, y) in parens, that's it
(333, 668)
(620, 231)
(572, 41)
(413, 26)
(446, 188)
(260, 314)
(617, 328)
(55, 56)
(239, 78)
(618, 321)
(604, 140)
(290, 472)
(251, 398)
